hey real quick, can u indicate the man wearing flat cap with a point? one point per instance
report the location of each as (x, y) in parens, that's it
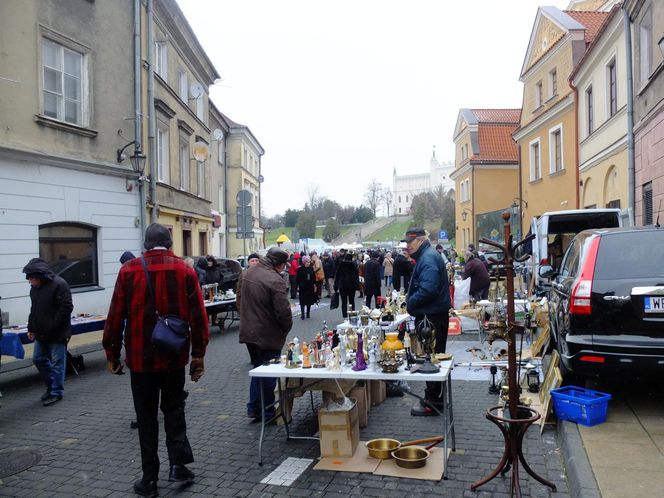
(172, 289)
(266, 320)
(428, 296)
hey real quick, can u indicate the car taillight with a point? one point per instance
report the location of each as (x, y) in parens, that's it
(544, 262)
(582, 288)
(593, 359)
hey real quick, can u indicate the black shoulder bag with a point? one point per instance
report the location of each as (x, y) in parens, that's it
(170, 333)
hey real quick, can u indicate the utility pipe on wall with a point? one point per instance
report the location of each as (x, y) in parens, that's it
(138, 113)
(151, 114)
(630, 112)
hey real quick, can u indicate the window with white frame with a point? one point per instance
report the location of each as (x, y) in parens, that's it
(553, 83)
(539, 96)
(200, 178)
(163, 163)
(161, 59)
(590, 118)
(556, 149)
(63, 83)
(535, 161)
(645, 46)
(200, 107)
(184, 165)
(612, 90)
(220, 151)
(183, 85)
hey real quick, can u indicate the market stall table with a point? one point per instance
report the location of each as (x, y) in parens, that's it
(227, 308)
(280, 371)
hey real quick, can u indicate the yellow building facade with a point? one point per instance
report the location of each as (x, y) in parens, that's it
(547, 135)
(486, 172)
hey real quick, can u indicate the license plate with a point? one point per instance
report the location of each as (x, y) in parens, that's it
(653, 304)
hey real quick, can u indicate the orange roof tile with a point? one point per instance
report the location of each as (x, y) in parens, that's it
(591, 20)
(496, 144)
(497, 115)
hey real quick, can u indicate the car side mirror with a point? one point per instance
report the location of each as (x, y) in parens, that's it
(547, 271)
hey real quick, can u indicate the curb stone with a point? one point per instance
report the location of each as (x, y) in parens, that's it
(580, 476)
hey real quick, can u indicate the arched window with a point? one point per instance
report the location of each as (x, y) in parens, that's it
(70, 249)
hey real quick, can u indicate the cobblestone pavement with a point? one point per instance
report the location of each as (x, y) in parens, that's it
(88, 448)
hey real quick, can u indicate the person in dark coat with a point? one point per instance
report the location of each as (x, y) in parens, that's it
(212, 272)
(329, 268)
(126, 256)
(479, 277)
(266, 321)
(347, 282)
(306, 286)
(402, 269)
(428, 299)
(372, 279)
(201, 267)
(49, 324)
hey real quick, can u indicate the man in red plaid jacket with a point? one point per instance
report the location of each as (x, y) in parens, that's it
(154, 372)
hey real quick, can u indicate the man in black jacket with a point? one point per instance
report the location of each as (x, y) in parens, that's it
(372, 279)
(49, 325)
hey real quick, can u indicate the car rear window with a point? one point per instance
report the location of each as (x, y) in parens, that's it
(638, 254)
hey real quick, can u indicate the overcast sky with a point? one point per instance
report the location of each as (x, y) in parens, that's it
(341, 92)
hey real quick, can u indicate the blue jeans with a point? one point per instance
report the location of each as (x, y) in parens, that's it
(50, 360)
(258, 357)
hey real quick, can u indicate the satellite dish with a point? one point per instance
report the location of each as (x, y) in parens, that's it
(196, 90)
(217, 134)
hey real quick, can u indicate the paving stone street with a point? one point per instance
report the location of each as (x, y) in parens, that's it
(87, 447)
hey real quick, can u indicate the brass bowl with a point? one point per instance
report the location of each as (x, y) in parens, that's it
(411, 457)
(382, 448)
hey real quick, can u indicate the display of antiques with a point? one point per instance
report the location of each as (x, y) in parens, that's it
(516, 418)
(366, 343)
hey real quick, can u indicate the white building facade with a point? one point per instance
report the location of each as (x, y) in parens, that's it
(405, 187)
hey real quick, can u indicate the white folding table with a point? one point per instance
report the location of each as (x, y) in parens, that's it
(280, 372)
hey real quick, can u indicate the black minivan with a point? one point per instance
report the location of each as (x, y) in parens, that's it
(606, 304)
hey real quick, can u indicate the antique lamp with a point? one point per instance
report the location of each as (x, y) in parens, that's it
(533, 378)
(425, 334)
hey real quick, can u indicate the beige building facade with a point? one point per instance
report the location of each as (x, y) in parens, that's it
(547, 135)
(601, 109)
(243, 156)
(66, 107)
(179, 138)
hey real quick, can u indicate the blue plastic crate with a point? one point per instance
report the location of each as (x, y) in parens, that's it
(583, 406)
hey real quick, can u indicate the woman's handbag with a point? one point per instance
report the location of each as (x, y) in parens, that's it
(170, 333)
(334, 302)
(320, 275)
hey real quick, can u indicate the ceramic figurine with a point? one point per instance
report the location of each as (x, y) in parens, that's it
(360, 364)
(343, 349)
(336, 360)
(290, 363)
(318, 356)
(296, 350)
(372, 356)
(306, 360)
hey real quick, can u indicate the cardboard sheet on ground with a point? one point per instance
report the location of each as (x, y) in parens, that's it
(359, 462)
(362, 462)
(432, 471)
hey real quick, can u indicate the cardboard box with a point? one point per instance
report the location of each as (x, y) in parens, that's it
(339, 431)
(378, 392)
(359, 394)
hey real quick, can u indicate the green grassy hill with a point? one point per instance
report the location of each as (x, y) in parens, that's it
(395, 231)
(271, 238)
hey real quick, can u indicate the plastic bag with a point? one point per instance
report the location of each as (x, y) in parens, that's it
(461, 293)
(335, 406)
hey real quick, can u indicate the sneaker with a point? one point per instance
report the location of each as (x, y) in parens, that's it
(146, 488)
(52, 399)
(46, 395)
(422, 411)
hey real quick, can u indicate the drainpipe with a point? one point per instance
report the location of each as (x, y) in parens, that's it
(577, 146)
(518, 150)
(630, 112)
(472, 203)
(225, 198)
(259, 198)
(138, 114)
(152, 146)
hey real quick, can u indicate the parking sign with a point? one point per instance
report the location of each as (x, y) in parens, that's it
(442, 235)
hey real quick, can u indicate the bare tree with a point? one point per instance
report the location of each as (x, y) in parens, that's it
(387, 200)
(313, 196)
(373, 195)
